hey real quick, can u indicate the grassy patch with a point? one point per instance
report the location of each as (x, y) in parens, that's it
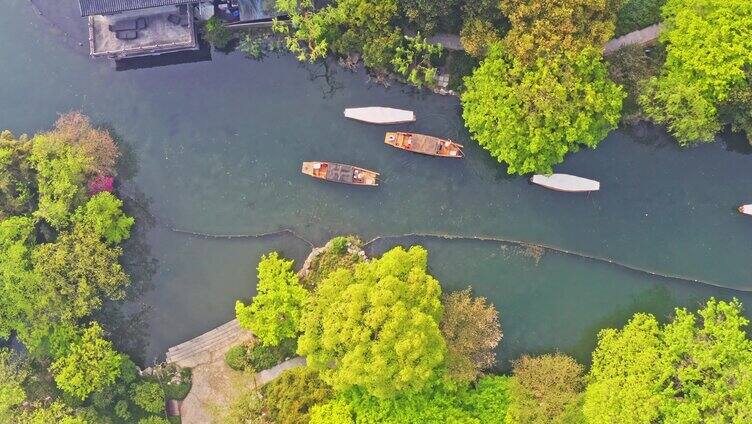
(335, 257)
(256, 357)
(175, 381)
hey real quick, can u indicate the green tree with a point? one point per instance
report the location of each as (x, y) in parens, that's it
(694, 369)
(414, 61)
(60, 178)
(275, 312)
(477, 35)
(216, 33)
(545, 27)
(531, 117)
(341, 27)
(149, 396)
(472, 331)
(637, 14)
(12, 376)
(57, 412)
(376, 327)
(427, 15)
(81, 271)
(90, 365)
(489, 400)
(543, 388)
(708, 44)
(335, 411)
(103, 216)
(439, 404)
(97, 145)
(290, 397)
(17, 178)
(19, 286)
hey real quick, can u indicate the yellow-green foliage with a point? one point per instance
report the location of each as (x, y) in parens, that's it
(545, 27)
(90, 365)
(274, 314)
(377, 324)
(477, 35)
(60, 179)
(695, 369)
(530, 117)
(103, 216)
(545, 389)
(709, 48)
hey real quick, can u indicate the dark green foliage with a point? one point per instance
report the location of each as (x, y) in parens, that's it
(17, 177)
(631, 67)
(428, 15)
(236, 358)
(290, 397)
(459, 65)
(251, 47)
(149, 396)
(121, 410)
(339, 245)
(176, 382)
(637, 14)
(737, 108)
(255, 357)
(216, 33)
(261, 357)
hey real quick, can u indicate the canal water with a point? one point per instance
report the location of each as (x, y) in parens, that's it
(216, 146)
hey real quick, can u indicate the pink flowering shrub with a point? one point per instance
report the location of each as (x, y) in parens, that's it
(101, 183)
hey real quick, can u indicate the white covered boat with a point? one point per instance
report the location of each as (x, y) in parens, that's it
(746, 209)
(380, 115)
(565, 182)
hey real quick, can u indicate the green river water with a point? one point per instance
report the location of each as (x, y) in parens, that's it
(216, 147)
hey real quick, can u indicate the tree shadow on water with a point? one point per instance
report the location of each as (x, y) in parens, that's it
(326, 71)
(737, 142)
(656, 300)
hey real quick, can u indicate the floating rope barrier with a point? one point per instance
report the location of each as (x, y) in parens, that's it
(245, 236)
(556, 249)
(490, 239)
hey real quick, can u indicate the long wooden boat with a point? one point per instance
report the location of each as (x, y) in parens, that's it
(380, 115)
(565, 182)
(424, 144)
(339, 173)
(746, 209)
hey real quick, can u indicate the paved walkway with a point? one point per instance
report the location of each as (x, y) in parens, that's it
(642, 36)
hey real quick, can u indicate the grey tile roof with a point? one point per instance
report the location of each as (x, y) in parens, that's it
(102, 7)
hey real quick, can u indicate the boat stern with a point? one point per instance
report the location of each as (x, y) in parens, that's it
(390, 138)
(307, 168)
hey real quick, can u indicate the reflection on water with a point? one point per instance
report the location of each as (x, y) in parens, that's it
(218, 145)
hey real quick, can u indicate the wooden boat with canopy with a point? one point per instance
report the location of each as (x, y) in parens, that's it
(425, 144)
(339, 173)
(746, 209)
